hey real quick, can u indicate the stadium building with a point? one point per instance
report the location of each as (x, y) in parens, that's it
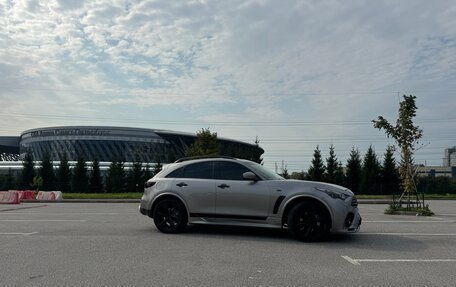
(107, 144)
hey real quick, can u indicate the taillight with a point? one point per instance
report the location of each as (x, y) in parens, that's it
(149, 184)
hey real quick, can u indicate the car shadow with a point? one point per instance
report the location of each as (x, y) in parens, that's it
(380, 242)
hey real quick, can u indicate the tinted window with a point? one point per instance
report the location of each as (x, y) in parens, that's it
(201, 170)
(230, 170)
(178, 173)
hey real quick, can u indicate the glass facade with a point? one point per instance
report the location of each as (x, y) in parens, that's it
(103, 150)
(101, 143)
(107, 144)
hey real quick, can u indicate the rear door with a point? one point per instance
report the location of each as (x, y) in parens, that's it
(195, 183)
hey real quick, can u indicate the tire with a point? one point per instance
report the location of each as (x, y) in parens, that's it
(308, 222)
(170, 216)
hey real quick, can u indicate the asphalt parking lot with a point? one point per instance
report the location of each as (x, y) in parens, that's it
(111, 244)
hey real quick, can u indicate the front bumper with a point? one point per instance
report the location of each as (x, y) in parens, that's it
(143, 211)
(346, 218)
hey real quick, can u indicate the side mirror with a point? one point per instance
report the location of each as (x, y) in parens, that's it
(249, 176)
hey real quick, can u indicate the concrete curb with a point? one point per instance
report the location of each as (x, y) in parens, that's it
(84, 201)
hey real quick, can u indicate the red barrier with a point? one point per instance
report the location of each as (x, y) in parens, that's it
(49, 195)
(25, 194)
(7, 197)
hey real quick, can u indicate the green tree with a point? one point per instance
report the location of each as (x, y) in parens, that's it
(406, 135)
(339, 175)
(64, 174)
(370, 182)
(298, 175)
(135, 177)
(80, 180)
(317, 168)
(157, 168)
(28, 171)
(95, 180)
(389, 174)
(37, 182)
(46, 172)
(353, 172)
(9, 181)
(115, 181)
(284, 171)
(332, 166)
(205, 144)
(147, 173)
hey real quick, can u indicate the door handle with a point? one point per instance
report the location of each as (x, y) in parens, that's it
(223, 186)
(181, 184)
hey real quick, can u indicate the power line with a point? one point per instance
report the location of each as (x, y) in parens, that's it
(220, 123)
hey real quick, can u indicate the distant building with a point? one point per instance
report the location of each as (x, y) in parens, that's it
(107, 144)
(450, 157)
(435, 171)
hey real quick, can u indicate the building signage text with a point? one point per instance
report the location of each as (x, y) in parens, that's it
(70, 132)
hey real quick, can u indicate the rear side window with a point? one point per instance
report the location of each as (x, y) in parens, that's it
(230, 170)
(201, 170)
(178, 173)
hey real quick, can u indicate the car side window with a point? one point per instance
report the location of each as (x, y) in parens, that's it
(201, 170)
(178, 173)
(230, 170)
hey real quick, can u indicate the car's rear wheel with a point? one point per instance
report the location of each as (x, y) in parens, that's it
(308, 222)
(170, 216)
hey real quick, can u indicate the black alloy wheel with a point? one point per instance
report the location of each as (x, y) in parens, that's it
(308, 222)
(170, 216)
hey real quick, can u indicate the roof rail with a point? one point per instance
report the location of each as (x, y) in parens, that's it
(203, 157)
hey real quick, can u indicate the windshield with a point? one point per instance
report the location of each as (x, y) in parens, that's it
(262, 171)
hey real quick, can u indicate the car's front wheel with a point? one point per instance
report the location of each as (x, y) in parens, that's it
(170, 216)
(308, 222)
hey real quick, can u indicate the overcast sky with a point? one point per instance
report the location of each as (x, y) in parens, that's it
(294, 73)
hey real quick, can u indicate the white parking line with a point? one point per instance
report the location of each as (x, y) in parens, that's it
(18, 233)
(431, 219)
(357, 261)
(40, 220)
(406, 234)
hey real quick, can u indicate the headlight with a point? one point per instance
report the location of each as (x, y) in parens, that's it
(333, 194)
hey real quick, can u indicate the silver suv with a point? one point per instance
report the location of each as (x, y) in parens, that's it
(228, 191)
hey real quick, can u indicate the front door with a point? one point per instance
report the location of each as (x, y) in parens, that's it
(238, 198)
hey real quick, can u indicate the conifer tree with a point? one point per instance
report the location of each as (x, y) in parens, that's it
(317, 168)
(353, 173)
(9, 181)
(47, 172)
(95, 180)
(147, 173)
(80, 180)
(115, 181)
(28, 171)
(135, 177)
(64, 174)
(370, 182)
(157, 168)
(332, 166)
(389, 173)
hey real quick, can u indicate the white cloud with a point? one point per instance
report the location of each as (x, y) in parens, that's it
(259, 61)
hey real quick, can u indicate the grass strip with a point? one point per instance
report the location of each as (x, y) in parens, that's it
(127, 195)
